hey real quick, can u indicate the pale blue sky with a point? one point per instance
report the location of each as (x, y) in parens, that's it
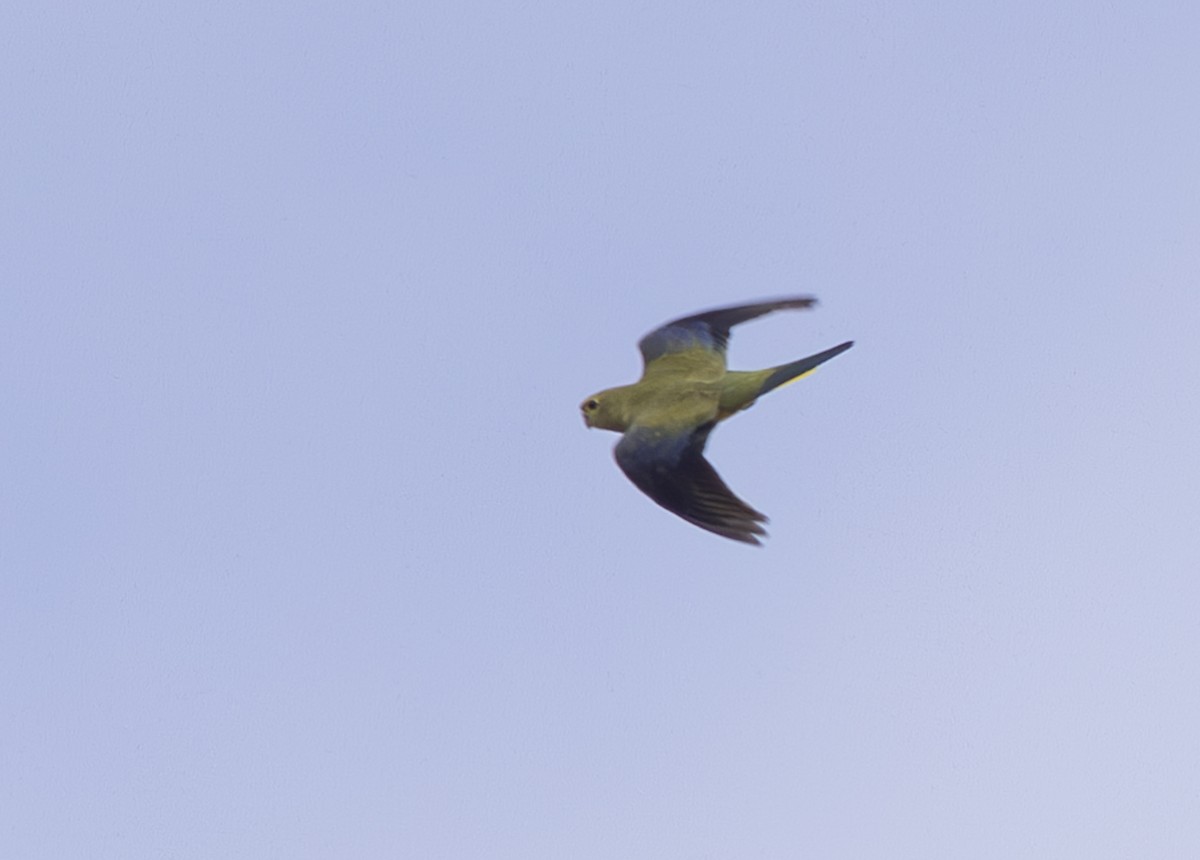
(306, 552)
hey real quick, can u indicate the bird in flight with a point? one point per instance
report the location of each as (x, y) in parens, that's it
(685, 391)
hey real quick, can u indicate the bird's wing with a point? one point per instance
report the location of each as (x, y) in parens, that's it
(695, 346)
(669, 467)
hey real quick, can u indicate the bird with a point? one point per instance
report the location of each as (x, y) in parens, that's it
(665, 418)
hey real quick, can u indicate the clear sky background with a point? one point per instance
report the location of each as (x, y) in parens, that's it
(306, 552)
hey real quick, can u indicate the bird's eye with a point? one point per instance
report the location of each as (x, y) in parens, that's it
(592, 405)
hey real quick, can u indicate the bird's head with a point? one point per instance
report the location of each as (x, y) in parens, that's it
(604, 411)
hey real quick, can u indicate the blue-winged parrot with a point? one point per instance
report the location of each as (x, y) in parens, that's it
(684, 392)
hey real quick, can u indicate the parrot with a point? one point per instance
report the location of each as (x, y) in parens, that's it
(665, 418)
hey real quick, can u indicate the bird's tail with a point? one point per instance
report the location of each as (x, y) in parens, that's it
(787, 373)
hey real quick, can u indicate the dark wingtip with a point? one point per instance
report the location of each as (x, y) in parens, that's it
(750, 538)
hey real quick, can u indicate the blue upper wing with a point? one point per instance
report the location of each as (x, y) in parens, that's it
(710, 330)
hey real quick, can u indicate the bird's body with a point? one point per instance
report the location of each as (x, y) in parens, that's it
(685, 391)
